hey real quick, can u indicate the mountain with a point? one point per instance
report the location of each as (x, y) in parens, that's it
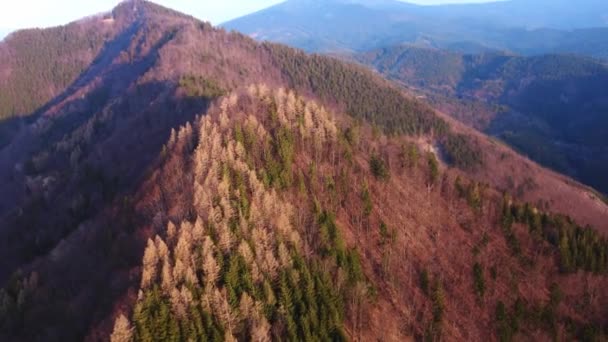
(190, 183)
(524, 27)
(550, 107)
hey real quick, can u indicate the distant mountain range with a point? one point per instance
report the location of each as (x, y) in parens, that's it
(525, 27)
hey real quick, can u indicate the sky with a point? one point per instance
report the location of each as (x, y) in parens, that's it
(17, 14)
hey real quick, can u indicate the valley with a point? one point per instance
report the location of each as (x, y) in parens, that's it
(550, 108)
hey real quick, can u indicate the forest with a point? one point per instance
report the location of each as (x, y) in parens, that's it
(243, 263)
(199, 185)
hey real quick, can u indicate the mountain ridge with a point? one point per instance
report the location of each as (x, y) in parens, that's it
(440, 26)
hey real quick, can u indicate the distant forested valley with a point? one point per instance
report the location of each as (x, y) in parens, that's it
(551, 107)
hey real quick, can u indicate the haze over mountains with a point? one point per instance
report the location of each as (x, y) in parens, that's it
(165, 180)
(526, 27)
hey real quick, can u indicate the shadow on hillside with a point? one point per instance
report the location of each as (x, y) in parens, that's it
(67, 209)
(561, 125)
(79, 153)
(106, 79)
(9, 127)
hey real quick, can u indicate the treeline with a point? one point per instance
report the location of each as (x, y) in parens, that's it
(364, 97)
(425, 67)
(44, 62)
(510, 321)
(579, 248)
(369, 99)
(435, 292)
(461, 151)
(199, 86)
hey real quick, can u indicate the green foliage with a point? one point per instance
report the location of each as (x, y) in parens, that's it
(364, 96)
(579, 248)
(424, 66)
(386, 236)
(413, 155)
(353, 267)
(473, 193)
(461, 152)
(154, 321)
(199, 86)
(550, 310)
(434, 328)
(409, 155)
(438, 299)
(479, 284)
(433, 166)
(503, 322)
(378, 167)
(284, 146)
(352, 135)
(277, 154)
(425, 282)
(237, 280)
(44, 62)
(366, 198)
(306, 302)
(331, 240)
(507, 229)
(510, 321)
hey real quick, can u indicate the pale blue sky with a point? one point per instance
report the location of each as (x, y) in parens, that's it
(16, 14)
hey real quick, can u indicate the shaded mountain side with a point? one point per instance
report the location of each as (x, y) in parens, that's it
(525, 27)
(90, 179)
(551, 108)
(273, 217)
(47, 61)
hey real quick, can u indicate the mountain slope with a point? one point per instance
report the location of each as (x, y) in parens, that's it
(338, 26)
(284, 203)
(550, 107)
(94, 175)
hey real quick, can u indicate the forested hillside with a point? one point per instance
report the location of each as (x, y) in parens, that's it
(195, 184)
(265, 240)
(48, 60)
(551, 107)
